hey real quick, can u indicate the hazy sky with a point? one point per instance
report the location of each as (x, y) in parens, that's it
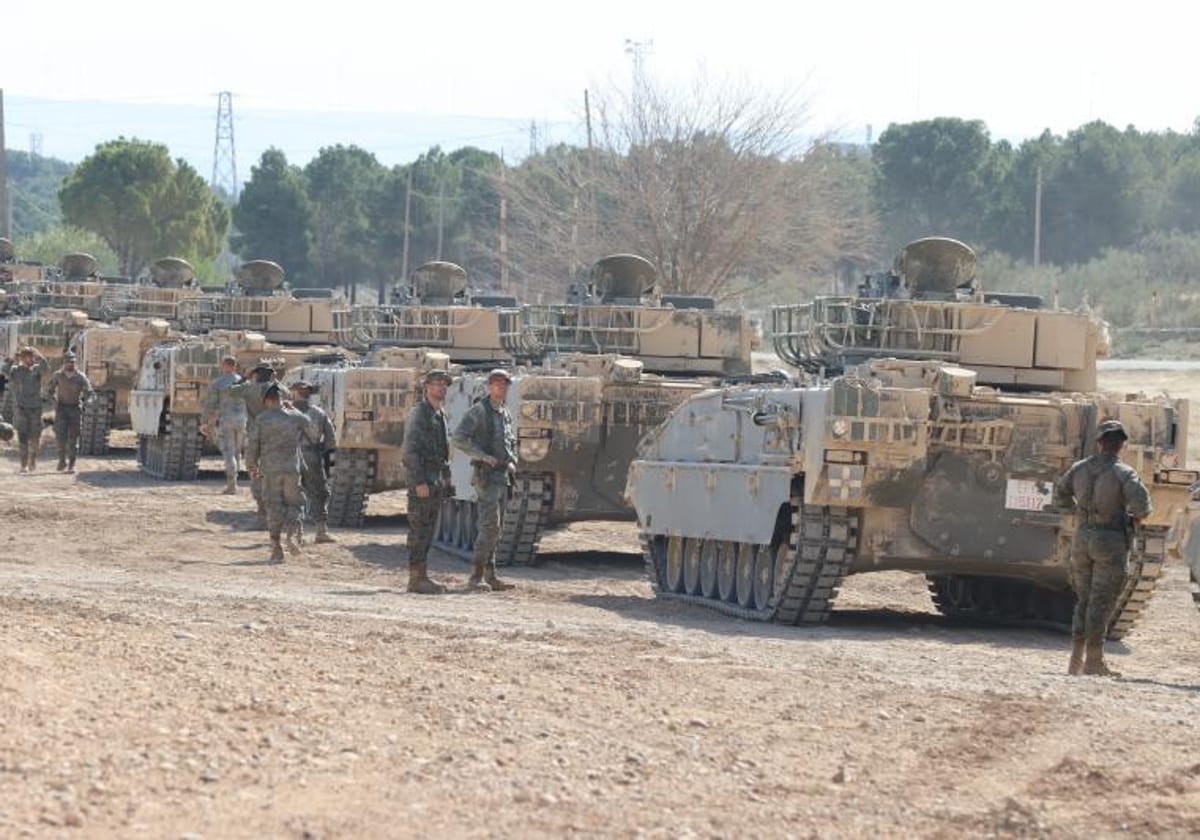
(1019, 66)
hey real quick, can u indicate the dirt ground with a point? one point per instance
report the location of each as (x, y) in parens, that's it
(157, 679)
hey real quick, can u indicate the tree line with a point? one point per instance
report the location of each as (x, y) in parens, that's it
(710, 182)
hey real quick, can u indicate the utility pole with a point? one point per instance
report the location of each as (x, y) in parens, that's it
(407, 216)
(503, 224)
(5, 209)
(1037, 220)
(587, 117)
(441, 217)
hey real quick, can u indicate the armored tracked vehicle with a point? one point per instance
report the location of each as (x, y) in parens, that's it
(758, 501)
(260, 302)
(170, 281)
(110, 355)
(166, 407)
(368, 404)
(619, 310)
(437, 311)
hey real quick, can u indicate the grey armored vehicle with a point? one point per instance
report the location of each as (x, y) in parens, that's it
(581, 411)
(758, 501)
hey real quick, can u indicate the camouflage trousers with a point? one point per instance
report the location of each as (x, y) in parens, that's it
(283, 500)
(67, 420)
(490, 497)
(1098, 567)
(315, 483)
(28, 422)
(231, 438)
(422, 522)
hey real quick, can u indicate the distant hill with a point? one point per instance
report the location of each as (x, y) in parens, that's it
(34, 184)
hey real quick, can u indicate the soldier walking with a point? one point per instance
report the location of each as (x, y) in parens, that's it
(25, 380)
(486, 434)
(314, 478)
(252, 392)
(273, 454)
(1109, 499)
(227, 408)
(69, 389)
(426, 456)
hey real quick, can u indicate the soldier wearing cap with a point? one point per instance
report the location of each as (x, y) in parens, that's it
(69, 389)
(486, 434)
(226, 407)
(314, 455)
(252, 391)
(273, 455)
(426, 457)
(1108, 499)
(25, 381)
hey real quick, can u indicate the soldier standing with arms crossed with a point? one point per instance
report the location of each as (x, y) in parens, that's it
(313, 477)
(25, 379)
(69, 389)
(1109, 499)
(226, 406)
(426, 457)
(273, 454)
(486, 434)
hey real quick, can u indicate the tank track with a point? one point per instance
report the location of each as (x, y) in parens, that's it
(529, 502)
(351, 472)
(787, 582)
(1013, 602)
(457, 528)
(95, 423)
(174, 453)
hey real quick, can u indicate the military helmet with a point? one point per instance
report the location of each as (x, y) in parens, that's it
(27, 350)
(1111, 428)
(437, 373)
(499, 373)
(303, 385)
(69, 356)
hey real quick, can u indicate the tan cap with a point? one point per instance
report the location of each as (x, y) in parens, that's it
(1111, 428)
(500, 373)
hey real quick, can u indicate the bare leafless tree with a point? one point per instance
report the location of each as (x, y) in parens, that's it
(715, 183)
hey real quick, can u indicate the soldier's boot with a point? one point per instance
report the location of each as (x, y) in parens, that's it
(1075, 666)
(230, 486)
(419, 581)
(33, 453)
(323, 535)
(71, 465)
(475, 581)
(24, 457)
(62, 463)
(489, 577)
(276, 550)
(294, 540)
(1094, 664)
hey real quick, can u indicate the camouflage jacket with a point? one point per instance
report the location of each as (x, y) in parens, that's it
(70, 388)
(426, 452)
(487, 430)
(26, 382)
(1103, 491)
(273, 445)
(326, 437)
(224, 401)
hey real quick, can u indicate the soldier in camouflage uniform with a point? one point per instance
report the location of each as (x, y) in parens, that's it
(486, 434)
(226, 407)
(273, 453)
(1109, 499)
(25, 380)
(426, 456)
(314, 454)
(252, 391)
(69, 389)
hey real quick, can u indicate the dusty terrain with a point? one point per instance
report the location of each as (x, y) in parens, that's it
(158, 680)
